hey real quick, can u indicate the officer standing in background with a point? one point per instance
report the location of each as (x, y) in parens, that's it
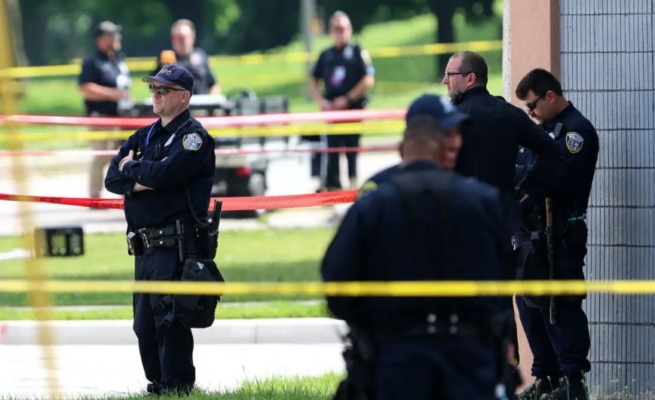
(194, 59)
(165, 172)
(425, 223)
(347, 73)
(104, 82)
(560, 347)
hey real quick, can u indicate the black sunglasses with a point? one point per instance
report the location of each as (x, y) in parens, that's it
(533, 104)
(163, 90)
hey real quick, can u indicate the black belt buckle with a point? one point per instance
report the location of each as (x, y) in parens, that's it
(134, 244)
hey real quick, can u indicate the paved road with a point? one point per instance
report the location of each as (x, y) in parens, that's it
(101, 370)
(66, 176)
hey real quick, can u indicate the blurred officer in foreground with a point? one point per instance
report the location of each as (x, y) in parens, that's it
(104, 82)
(194, 59)
(424, 223)
(347, 73)
(560, 345)
(165, 172)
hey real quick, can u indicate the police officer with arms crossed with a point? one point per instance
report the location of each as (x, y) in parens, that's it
(194, 59)
(104, 82)
(424, 223)
(560, 347)
(165, 172)
(347, 73)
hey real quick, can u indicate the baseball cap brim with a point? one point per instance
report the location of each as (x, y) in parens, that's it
(452, 120)
(158, 79)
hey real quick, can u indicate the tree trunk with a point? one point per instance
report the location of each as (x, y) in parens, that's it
(444, 10)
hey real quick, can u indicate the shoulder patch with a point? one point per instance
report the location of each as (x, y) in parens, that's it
(192, 141)
(367, 188)
(366, 57)
(574, 142)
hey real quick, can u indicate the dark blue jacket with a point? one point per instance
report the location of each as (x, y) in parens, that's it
(491, 137)
(167, 160)
(374, 243)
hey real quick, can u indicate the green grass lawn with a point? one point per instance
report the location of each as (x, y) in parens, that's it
(244, 256)
(320, 387)
(398, 79)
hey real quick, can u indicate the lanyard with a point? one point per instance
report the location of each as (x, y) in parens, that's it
(152, 127)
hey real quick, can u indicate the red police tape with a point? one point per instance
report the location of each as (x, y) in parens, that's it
(82, 153)
(214, 122)
(229, 203)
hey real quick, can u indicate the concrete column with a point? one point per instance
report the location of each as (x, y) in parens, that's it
(531, 39)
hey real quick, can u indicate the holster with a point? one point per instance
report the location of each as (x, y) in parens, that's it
(360, 356)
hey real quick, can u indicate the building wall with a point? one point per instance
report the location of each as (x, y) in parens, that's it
(604, 53)
(607, 70)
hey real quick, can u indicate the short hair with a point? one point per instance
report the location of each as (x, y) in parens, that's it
(474, 62)
(539, 81)
(339, 14)
(423, 128)
(184, 22)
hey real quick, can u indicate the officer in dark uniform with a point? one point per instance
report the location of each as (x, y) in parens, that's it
(194, 59)
(560, 347)
(104, 82)
(424, 223)
(347, 73)
(165, 172)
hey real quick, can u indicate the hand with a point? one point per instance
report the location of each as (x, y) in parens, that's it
(341, 103)
(325, 105)
(139, 187)
(128, 157)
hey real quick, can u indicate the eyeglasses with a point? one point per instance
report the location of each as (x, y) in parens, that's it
(449, 74)
(163, 90)
(533, 104)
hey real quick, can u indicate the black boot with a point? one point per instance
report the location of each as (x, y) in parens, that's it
(571, 387)
(540, 386)
(154, 388)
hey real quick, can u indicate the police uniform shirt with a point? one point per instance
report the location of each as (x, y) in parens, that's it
(167, 159)
(342, 69)
(98, 68)
(198, 64)
(373, 243)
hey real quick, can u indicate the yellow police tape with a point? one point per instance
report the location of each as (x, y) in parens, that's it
(400, 288)
(391, 126)
(141, 64)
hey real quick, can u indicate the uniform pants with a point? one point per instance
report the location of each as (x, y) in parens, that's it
(333, 179)
(436, 368)
(168, 360)
(559, 348)
(98, 163)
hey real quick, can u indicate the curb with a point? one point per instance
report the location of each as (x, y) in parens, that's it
(253, 331)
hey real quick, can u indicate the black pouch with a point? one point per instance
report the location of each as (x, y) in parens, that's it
(575, 239)
(134, 244)
(532, 264)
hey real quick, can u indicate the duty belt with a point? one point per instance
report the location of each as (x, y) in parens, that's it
(158, 237)
(433, 326)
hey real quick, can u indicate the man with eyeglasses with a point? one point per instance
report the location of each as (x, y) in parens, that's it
(347, 73)
(165, 171)
(492, 136)
(559, 341)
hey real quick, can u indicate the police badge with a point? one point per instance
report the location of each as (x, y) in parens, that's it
(192, 141)
(574, 142)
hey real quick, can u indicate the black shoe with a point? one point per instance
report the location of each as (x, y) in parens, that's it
(570, 388)
(534, 391)
(154, 388)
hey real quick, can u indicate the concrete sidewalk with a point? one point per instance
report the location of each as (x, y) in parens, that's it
(241, 331)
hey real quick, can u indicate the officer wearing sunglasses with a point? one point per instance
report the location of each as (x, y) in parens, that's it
(165, 171)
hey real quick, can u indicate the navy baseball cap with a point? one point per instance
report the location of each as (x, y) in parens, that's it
(173, 74)
(438, 107)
